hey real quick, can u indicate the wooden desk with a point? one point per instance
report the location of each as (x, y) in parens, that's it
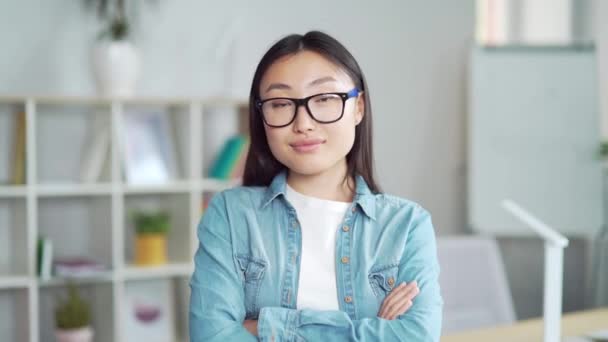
(573, 324)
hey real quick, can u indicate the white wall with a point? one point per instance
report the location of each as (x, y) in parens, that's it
(601, 35)
(413, 54)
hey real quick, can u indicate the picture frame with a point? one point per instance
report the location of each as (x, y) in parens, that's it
(149, 311)
(149, 154)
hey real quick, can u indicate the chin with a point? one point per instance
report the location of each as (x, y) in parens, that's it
(307, 169)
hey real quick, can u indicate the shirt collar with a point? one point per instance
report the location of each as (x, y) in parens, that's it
(363, 195)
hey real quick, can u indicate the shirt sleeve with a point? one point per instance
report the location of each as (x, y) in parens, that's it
(422, 322)
(217, 308)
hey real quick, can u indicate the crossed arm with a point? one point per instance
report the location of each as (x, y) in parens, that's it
(217, 312)
(396, 303)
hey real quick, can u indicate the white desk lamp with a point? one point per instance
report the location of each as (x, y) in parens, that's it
(554, 269)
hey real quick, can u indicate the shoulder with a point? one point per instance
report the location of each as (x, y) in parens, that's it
(239, 197)
(394, 204)
(227, 204)
(400, 214)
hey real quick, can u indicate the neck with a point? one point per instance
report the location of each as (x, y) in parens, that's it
(330, 184)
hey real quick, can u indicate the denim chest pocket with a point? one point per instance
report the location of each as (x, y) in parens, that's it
(252, 271)
(383, 279)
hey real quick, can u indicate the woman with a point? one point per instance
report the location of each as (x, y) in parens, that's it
(309, 249)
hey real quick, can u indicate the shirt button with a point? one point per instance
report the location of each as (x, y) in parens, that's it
(348, 299)
(345, 228)
(345, 260)
(354, 209)
(391, 281)
(294, 225)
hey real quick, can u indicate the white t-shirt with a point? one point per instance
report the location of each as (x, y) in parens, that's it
(319, 220)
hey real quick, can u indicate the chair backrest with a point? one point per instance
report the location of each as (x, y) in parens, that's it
(473, 284)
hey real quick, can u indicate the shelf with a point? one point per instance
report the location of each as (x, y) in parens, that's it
(180, 233)
(14, 282)
(10, 191)
(73, 190)
(143, 100)
(215, 185)
(13, 237)
(88, 213)
(165, 188)
(97, 189)
(102, 277)
(14, 315)
(78, 227)
(165, 271)
(99, 296)
(69, 139)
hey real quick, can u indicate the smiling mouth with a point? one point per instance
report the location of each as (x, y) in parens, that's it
(307, 147)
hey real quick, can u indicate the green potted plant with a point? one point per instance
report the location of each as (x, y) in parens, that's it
(151, 230)
(73, 318)
(116, 61)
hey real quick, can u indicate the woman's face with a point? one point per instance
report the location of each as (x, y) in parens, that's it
(306, 146)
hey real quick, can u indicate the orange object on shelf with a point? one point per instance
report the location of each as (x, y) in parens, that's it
(150, 249)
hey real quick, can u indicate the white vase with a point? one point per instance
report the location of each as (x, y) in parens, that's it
(75, 335)
(116, 67)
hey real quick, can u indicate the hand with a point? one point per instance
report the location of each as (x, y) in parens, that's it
(252, 326)
(398, 301)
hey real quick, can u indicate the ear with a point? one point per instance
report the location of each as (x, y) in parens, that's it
(359, 109)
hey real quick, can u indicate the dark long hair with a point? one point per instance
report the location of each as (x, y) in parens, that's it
(261, 166)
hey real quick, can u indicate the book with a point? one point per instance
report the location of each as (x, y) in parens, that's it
(228, 158)
(18, 172)
(77, 267)
(239, 168)
(44, 258)
(97, 152)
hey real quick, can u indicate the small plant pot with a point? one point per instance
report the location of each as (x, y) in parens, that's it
(150, 249)
(84, 334)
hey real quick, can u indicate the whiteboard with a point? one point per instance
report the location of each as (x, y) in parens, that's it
(534, 138)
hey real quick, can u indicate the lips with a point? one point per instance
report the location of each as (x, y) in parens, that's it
(307, 145)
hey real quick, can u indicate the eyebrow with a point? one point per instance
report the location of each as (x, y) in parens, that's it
(313, 83)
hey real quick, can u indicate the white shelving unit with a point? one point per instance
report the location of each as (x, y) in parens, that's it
(91, 219)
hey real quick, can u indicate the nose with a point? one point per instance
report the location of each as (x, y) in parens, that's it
(303, 121)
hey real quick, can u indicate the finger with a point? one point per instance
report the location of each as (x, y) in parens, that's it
(395, 290)
(403, 304)
(403, 310)
(400, 299)
(396, 301)
(396, 293)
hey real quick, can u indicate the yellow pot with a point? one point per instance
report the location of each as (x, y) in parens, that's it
(150, 249)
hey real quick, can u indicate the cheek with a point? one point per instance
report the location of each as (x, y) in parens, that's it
(342, 139)
(275, 138)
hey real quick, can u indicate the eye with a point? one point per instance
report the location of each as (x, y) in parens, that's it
(280, 103)
(324, 98)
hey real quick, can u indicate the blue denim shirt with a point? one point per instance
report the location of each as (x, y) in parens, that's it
(248, 260)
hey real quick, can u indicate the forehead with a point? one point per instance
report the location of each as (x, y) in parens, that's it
(301, 68)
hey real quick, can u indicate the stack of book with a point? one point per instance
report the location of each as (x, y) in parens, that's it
(77, 267)
(67, 267)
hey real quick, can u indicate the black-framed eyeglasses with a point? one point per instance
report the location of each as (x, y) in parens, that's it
(324, 108)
